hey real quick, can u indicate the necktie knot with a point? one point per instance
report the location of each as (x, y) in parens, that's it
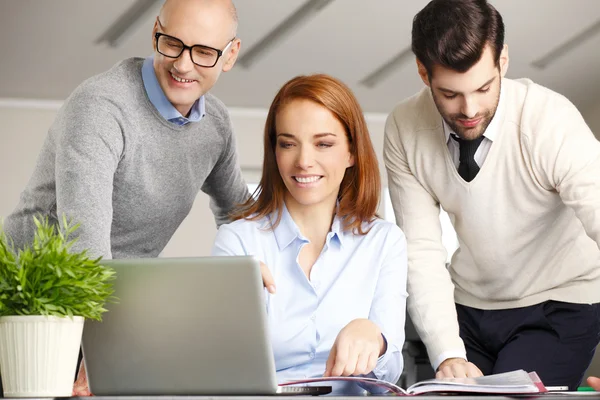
(467, 167)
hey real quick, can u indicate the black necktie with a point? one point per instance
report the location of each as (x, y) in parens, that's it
(467, 167)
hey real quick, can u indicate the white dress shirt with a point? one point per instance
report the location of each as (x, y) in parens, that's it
(490, 134)
(355, 276)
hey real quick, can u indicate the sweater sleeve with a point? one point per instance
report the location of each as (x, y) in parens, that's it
(225, 184)
(89, 144)
(566, 158)
(431, 292)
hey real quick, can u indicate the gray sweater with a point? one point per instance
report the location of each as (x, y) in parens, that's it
(113, 164)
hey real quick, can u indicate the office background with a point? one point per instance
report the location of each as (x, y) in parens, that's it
(48, 48)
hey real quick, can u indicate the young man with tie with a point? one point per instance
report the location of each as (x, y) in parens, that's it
(518, 171)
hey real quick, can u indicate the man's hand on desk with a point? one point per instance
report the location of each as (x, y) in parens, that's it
(594, 382)
(457, 368)
(80, 387)
(267, 278)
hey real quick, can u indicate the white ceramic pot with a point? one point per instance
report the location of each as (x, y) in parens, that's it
(38, 355)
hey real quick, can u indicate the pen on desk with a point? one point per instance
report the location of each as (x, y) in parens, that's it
(585, 389)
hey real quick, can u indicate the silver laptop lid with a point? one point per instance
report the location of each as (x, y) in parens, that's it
(182, 326)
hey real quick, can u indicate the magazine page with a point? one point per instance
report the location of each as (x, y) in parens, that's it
(380, 384)
(514, 382)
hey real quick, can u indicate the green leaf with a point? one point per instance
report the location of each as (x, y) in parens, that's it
(46, 278)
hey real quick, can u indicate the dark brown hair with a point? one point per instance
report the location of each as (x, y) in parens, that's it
(360, 188)
(454, 33)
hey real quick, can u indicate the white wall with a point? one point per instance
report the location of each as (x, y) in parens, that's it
(23, 128)
(592, 117)
(22, 133)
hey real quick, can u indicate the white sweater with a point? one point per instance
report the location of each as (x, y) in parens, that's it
(528, 224)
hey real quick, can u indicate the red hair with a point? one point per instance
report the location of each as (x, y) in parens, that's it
(361, 186)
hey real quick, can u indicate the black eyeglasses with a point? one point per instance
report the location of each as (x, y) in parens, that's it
(203, 56)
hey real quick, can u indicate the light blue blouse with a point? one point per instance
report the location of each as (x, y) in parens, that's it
(356, 276)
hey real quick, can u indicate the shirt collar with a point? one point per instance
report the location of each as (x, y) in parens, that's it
(336, 233)
(287, 231)
(162, 104)
(493, 128)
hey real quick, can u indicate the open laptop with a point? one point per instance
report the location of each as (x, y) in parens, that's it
(184, 326)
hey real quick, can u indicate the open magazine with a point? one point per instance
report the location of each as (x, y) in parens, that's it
(514, 382)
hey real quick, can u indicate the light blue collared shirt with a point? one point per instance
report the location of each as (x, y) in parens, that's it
(356, 276)
(162, 104)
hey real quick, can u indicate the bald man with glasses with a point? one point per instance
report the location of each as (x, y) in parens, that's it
(132, 147)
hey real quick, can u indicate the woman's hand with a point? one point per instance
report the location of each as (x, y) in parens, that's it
(267, 278)
(356, 349)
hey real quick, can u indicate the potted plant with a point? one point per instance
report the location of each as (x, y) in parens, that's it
(46, 293)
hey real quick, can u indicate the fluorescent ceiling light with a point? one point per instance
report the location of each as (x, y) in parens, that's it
(128, 22)
(282, 31)
(567, 46)
(383, 72)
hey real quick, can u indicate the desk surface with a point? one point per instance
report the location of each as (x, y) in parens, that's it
(544, 396)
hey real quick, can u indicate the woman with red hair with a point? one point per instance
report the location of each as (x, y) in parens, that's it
(338, 308)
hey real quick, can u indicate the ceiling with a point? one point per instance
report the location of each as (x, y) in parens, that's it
(49, 47)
